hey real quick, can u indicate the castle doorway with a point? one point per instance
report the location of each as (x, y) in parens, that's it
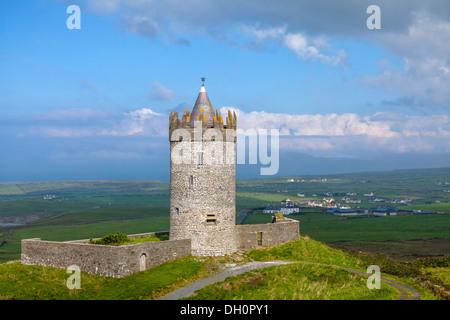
(143, 262)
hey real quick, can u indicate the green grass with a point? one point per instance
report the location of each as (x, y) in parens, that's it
(435, 207)
(119, 239)
(378, 228)
(47, 283)
(11, 250)
(93, 230)
(440, 273)
(91, 209)
(266, 197)
(23, 207)
(108, 213)
(420, 185)
(267, 218)
(295, 282)
(147, 239)
(288, 282)
(330, 228)
(10, 189)
(306, 249)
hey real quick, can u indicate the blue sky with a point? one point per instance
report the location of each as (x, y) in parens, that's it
(93, 103)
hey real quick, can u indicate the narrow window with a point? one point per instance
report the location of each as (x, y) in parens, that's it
(200, 158)
(259, 238)
(191, 181)
(177, 211)
(211, 218)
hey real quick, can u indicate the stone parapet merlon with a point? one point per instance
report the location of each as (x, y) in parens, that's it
(184, 123)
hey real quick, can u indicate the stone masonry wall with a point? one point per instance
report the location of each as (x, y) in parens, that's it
(203, 185)
(112, 261)
(282, 231)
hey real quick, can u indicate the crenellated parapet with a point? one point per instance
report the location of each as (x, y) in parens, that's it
(230, 122)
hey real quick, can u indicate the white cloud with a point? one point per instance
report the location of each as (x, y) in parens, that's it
(416, 31)
(143, 121)
(424, 80)
(296, 42)
(140, 136)
(77, 123)
(314, 16)
(350, 134)
(347, 134)
(261, 34)
(348, 124)
(143, 114)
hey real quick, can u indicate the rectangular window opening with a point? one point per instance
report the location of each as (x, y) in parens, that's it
(211, 218)
(259, 235)
(200, 158)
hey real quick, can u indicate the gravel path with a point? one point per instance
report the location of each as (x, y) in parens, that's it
(406, 292)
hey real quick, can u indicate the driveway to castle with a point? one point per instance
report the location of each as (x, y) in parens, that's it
(406, 292)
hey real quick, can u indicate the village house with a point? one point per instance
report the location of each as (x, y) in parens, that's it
(315, 203)
(280, 209)
(384, 211)
(351, 200)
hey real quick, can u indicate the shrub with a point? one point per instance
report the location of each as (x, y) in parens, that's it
(111, 239)
(433, 262)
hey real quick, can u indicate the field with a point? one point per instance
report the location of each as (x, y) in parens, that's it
(46, 283)
(309, 280)
(402, 237)
(90, 209)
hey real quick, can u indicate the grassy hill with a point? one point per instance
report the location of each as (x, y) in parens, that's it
(295, 281)
(85, 209)
(90, 209)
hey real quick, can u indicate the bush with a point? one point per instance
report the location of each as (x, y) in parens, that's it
(111, 239)
(433, 262)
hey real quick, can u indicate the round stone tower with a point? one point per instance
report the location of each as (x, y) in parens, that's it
(202, 178)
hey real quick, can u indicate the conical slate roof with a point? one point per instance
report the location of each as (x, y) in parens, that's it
(202, 103)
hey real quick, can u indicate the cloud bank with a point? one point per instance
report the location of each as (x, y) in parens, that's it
(345, 135)
(351, 135)
(95, 144)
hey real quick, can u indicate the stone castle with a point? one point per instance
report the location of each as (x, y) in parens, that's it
(203, 185)
(202, 206)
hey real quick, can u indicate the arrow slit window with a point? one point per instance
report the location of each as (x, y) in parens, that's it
(211, 218)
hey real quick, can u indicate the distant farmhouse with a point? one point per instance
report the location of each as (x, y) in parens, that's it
(285, 210)
(315, 203)
(375, 211)
(202, 206)
(384, 211)
(351, 200)
(342, 212)
(287, 207)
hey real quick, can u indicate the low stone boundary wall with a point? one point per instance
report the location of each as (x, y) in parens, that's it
(120, 261)
(252, 236)
(131, 236)
(112, 261)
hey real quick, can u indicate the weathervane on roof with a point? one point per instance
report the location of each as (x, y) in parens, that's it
(203, 81)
